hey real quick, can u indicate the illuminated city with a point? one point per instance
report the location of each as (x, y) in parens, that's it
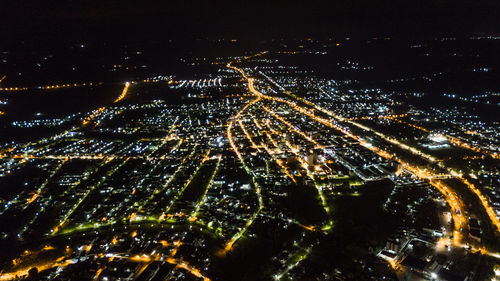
(331, 157)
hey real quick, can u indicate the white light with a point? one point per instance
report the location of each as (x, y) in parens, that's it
(437, 138)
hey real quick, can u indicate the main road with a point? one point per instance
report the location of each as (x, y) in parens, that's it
(453, 199)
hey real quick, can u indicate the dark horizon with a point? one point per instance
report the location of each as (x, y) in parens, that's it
(128, 20)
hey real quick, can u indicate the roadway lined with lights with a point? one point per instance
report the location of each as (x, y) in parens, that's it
(441, 187)
(229, 244)
(59, 262)
(306, 167)
(82, 199)
(328, 225)
(454, 140)
(193, 175)
(124, 92)
(434, 179)
(270, 153)
(143, 259)
(47, 87)
(193, 216)
(451, 200)
(170, 179)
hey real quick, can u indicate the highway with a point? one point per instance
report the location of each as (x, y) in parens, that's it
(452, 199)
(268, 133)
(421, 173)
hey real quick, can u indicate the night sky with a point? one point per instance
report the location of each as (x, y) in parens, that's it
(56, 20)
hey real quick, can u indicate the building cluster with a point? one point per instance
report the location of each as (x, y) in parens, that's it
(251, 155)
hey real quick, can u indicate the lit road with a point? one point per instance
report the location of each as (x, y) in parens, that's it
(421, 173)
(271, 127)
(452, 199)
(229, 244)
(124, 92)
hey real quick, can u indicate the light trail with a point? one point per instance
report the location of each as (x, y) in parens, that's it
(257, 124)
(230, 126)
(99, 271)
(273, 142)
(124, 92)
(260, 95)
(423, 174)
(285, 170)
(294, 150)
(328, 224)
(179, 263)
(96, 112)
(327, 112)
(451, 200)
